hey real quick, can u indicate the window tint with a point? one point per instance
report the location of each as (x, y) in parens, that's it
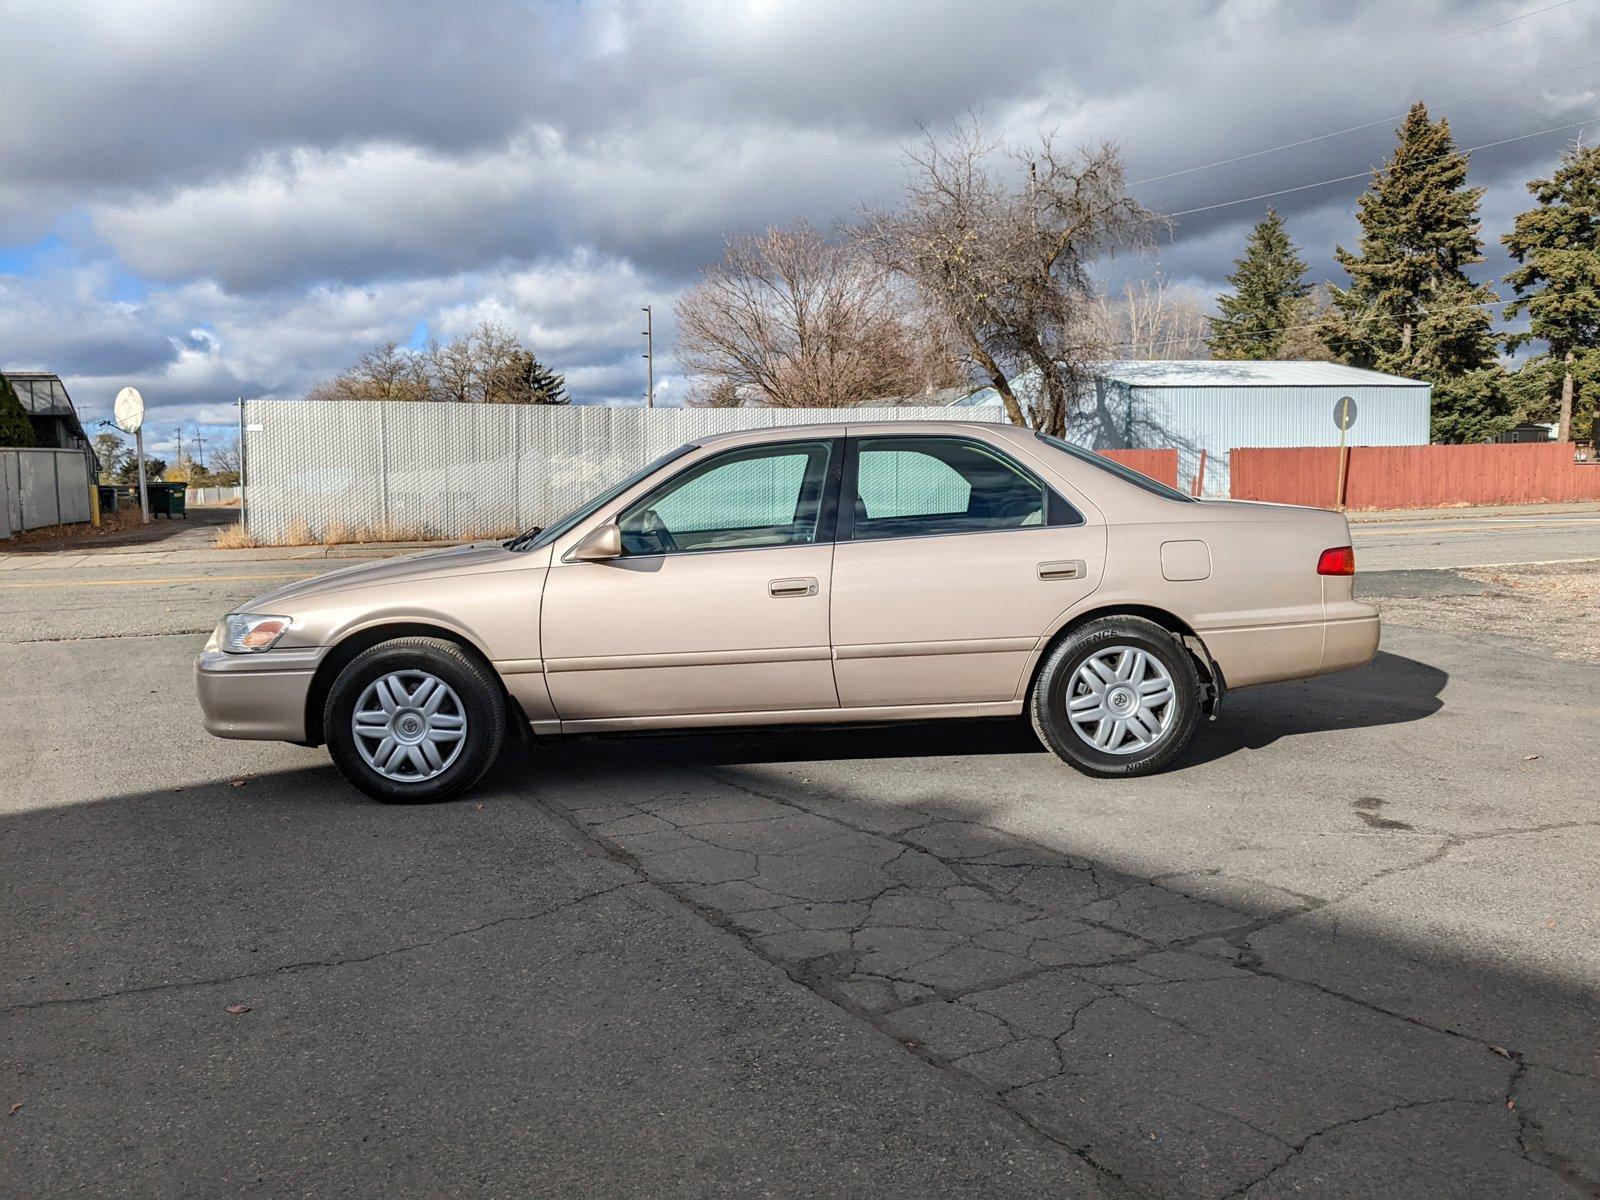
(766, 496)
(912, 487)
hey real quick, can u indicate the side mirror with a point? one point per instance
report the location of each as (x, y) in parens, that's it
(599, 544)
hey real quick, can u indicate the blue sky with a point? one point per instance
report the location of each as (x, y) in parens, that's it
(211, 200)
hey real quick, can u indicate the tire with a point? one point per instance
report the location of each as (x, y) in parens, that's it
(1100, 749)
(383, 681)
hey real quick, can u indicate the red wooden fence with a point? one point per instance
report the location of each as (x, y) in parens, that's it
(1415, 476)
(1160, 465)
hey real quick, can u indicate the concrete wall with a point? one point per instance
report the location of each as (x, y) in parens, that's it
(473, 470)
(40, 487)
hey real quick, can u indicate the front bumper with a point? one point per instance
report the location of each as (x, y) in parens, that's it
(257, 696)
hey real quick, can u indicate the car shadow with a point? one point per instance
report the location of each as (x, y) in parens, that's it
(1200, 1031)
(1391, 690)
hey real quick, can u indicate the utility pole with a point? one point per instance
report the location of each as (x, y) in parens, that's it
(650, 356)
(199, 448)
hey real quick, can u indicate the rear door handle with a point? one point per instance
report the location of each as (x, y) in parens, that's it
(1068, 569)
(792, 587)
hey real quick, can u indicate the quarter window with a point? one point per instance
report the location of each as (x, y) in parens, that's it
(745, 499)
(913, 487)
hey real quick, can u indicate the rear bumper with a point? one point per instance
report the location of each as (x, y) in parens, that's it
(1350, 637)
(258, 696)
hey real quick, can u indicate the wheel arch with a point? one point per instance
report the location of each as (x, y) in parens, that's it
(344, 651)
(1210, 672)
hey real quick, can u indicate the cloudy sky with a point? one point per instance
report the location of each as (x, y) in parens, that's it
(207, 200)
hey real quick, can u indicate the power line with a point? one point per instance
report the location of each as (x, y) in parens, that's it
(1456, 37)
(1322, 137)
(1368, 173)
(1312, 325)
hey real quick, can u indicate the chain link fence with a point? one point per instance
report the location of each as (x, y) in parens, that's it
(327, 470)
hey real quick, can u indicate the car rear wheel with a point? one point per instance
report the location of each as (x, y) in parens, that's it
(414, 719)
(1118, 696)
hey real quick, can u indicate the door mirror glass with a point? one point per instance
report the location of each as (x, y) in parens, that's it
(599, 544)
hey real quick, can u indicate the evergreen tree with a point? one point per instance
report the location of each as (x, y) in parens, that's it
(1558, 286)
(15, 428)
(545, 385)
(1410, 308)
(525, 380)
(1268, 287)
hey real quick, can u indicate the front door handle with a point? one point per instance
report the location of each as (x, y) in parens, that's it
(1068, 569)
(792, 587)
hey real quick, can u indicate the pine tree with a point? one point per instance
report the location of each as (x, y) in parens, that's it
(1410, 308)
(1558, 286)
(545, 385)
(523, 379)
(15, 428)
(1268, 286)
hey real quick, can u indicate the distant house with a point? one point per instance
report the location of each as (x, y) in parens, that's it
(49, 408)
(1219, 406)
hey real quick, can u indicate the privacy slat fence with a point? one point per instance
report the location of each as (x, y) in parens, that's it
(450, 470)
(1160, 465)
(1416, 476)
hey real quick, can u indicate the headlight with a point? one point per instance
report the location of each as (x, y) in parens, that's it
(251, 633)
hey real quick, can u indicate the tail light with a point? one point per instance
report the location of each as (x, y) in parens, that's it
(1341, 560)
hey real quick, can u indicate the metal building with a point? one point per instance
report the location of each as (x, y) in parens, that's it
(1219, 406)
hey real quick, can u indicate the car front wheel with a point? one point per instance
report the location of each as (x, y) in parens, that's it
(1118, 696)
(414, 719)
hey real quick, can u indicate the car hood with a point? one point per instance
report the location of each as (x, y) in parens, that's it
(451, 560)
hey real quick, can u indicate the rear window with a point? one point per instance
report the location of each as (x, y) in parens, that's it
(1126, 474)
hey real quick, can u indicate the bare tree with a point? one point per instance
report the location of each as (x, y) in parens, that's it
(454, 369)
(388, 372)
(488, 365)
(715, 392)
(1006, 265)
(794, 320)
(1303, 337)
(1153, 320)
(493, 349)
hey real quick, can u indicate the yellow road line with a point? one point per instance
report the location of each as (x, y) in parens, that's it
(50, 583)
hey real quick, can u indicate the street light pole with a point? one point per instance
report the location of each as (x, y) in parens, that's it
(650, 356)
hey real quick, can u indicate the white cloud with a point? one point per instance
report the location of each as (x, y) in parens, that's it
(292, 185)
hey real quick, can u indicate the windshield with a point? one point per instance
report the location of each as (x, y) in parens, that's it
(1127, 474)
(551, 532)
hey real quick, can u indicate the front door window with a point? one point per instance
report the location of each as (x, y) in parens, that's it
(741, 500)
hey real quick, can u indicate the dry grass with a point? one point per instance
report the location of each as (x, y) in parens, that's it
(342, 533)
(110, 523)
(235, 537)
(1554, 605)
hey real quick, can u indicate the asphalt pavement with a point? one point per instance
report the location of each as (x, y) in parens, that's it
(1414, 541)
(1349, 946)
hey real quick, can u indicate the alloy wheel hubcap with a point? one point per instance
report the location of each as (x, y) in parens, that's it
(409, 726)
(1122, 700)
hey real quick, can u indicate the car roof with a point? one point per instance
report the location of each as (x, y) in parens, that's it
(773, 433)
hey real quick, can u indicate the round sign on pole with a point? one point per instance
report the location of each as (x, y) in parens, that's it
(1344, 412)
(129, 410)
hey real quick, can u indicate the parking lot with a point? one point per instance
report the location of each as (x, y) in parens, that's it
(1349, 946)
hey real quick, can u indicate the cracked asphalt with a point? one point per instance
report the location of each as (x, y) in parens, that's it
(1350, 946)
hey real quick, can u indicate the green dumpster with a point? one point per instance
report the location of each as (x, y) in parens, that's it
(168, 500)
